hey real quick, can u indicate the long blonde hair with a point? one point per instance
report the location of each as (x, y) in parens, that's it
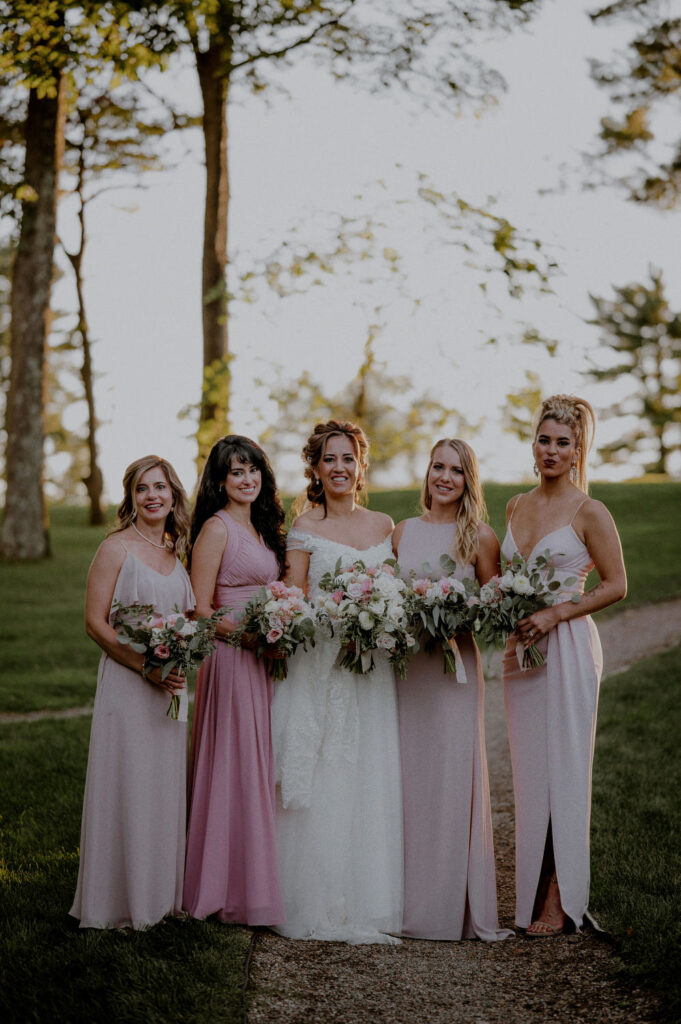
(577, 414)
(313, 453)
(472, 509)
(177, 521)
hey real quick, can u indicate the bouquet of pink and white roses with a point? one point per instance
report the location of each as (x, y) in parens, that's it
(280, 620)
(366, 607)
(442, 608)
(170, 642)
(521, 590)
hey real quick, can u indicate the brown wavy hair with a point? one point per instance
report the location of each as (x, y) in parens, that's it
(472, 509)
(577, 414)
(313, 453)
(176, 528)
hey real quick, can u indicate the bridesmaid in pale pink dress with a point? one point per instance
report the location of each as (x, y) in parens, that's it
(551, 710)
(133, 831)
(450, 889)
(237, 546)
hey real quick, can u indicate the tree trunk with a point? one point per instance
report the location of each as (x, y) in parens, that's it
(93, 481)
(24, 529)
(215, 396)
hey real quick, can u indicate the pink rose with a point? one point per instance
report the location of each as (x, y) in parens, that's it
(367, 586)
(445, 587)
(157, 622)
(278, 589)
(274, 635)
(421, 587)
(388, 569)
(372, 571)
(338, 596)
(162, 651)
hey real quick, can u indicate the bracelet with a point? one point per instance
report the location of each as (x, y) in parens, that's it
(147, 667)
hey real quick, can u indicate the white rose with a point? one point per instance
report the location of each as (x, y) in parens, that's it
(507, 580)
(366, 620)
(271, 606)
(457, 586)
(377, 606)
(522, 585)
(386, 641)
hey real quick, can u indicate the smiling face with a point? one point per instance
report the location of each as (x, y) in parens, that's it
(338, 468)
(446, 478)
(243, 482)
(153, 497)
(554, 449)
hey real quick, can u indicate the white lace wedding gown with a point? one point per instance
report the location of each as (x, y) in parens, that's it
(339, 801)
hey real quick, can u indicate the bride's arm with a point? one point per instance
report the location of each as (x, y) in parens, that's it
(297, 565)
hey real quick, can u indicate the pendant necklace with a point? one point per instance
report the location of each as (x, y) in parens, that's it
(164, 545)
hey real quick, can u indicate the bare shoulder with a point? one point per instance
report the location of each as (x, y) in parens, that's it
(110, 554)
(511, 503)
(594, 514)
(215, 527)
(310, 515)
(486, 534)
(381, 519)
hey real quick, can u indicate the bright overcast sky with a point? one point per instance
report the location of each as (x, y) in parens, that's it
(304, 156)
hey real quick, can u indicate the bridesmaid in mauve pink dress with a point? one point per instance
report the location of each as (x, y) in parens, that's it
(450, 887)
(551, 709)
(238, 546)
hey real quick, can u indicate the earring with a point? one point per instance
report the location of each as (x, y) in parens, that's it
(573, 473)
(535, 468)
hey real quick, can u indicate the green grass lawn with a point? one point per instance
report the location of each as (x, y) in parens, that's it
(636, 823)
(50, 971)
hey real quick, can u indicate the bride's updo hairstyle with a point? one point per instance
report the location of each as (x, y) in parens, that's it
(177, 520)
(577, 414)
(313, 453)
(472, 509)
(267, 513)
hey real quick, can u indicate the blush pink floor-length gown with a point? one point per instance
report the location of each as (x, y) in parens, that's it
(449, 874)
(551, 717)
(232, 868)
(133, 832)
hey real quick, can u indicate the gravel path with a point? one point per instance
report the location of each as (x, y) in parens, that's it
(519, 981)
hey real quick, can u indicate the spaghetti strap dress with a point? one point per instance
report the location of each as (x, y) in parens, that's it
(132, 841)
(449, 874)
(551, 716)
(232, 868)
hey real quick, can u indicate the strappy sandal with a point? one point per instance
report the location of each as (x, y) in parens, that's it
(544, 930)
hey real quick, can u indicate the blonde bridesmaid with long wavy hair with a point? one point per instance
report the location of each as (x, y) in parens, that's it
(551, 709)
(133, 832)
(450, 890)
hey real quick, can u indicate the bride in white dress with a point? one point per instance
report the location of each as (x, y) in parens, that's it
(335, 734)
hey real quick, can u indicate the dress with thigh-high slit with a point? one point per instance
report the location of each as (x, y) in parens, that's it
(551, 716)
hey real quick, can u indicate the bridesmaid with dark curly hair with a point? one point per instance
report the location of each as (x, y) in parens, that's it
(237, 546)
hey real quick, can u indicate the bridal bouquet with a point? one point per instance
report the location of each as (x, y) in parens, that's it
(521, 590)
(443, 607)
(366, 607)
(169, 642)
(280, 619)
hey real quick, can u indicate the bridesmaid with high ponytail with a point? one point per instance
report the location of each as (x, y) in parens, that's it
(551, 709)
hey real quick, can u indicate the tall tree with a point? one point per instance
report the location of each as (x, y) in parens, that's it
(424, 47)
(41, 42)
(645, 84)
(643, 338)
